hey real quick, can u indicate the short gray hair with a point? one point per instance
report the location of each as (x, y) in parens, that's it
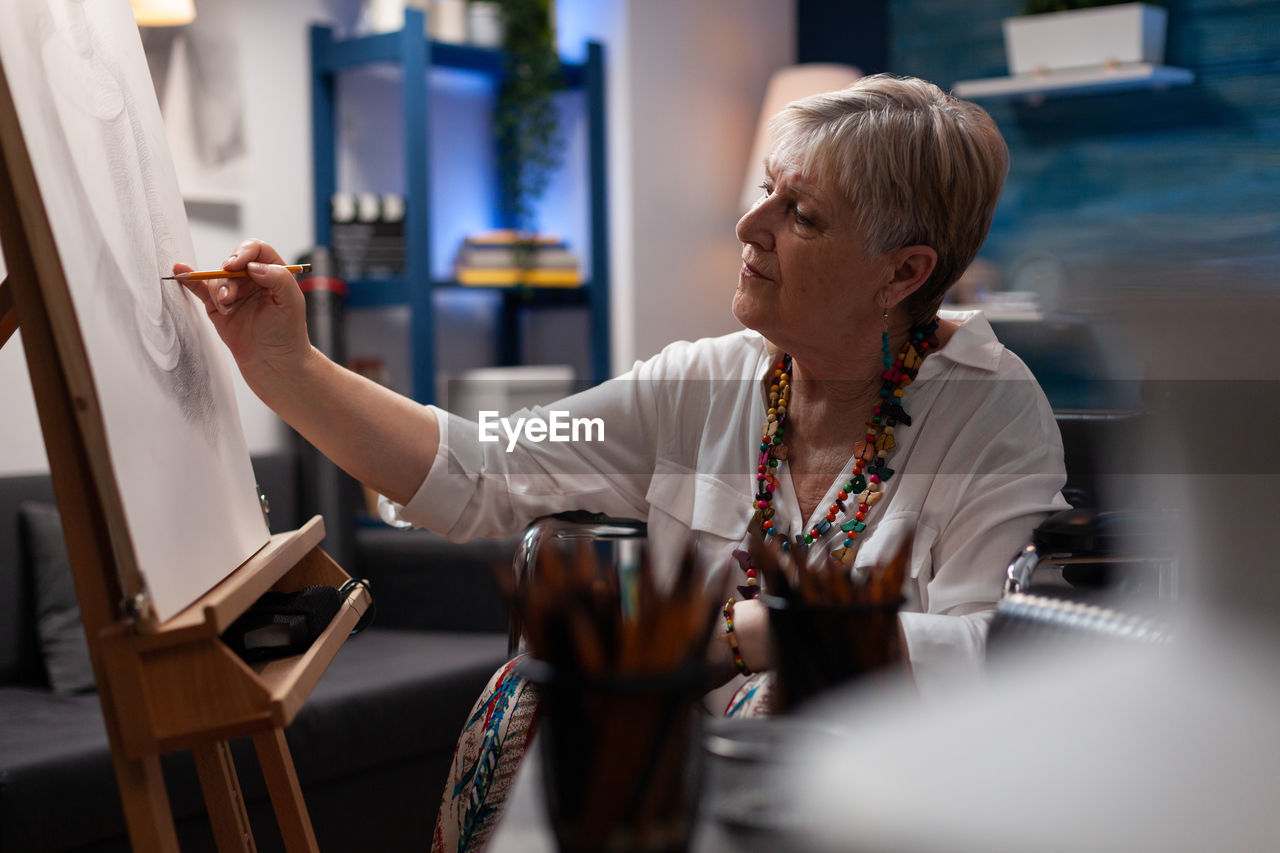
(919, 166)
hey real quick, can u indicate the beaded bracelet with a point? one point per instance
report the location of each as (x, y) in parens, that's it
(733, 638)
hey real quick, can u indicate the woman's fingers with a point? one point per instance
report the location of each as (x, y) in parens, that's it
(252, 250)
(227, 293)
(219, 295)
(223, 296)
(270, 276)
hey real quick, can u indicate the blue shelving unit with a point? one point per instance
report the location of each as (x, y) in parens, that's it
(409, 50)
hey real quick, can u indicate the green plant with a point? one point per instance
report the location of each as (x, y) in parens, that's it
(1038, 7)
(527, 122)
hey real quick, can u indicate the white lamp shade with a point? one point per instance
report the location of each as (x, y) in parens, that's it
(787, 85)
(163, 13)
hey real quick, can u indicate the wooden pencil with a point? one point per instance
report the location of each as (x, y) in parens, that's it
(206, 275)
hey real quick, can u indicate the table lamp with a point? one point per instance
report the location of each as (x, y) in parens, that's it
(787, 85)
(163, 13)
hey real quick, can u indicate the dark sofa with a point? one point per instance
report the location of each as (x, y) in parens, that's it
(372, 745)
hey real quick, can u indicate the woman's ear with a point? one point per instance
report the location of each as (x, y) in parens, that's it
(912, 266)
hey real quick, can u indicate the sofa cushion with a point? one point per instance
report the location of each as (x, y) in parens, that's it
(62, 641)
(57, 788)
(391, 694)
(387, 696)
(19, 646)
(424, 582)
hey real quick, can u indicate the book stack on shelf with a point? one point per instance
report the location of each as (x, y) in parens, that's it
(506, 258)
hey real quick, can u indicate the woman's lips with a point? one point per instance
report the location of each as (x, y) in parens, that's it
(752, 272)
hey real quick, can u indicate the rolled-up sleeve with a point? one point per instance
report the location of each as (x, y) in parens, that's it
(442, 498)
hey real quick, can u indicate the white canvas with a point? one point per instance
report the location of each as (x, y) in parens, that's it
(89, 116)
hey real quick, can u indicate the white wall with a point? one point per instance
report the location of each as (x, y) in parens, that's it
(277, 104)
(605, 21)
(21, 445)
(685, 81)
(698, 73)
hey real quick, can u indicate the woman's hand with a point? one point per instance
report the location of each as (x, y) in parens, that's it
(384, 440)
(261, 318)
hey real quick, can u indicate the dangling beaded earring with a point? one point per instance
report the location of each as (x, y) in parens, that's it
(886, 356)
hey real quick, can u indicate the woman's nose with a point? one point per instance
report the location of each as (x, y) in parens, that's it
(753, 226)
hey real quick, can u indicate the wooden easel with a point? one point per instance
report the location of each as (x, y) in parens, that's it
(163, 686)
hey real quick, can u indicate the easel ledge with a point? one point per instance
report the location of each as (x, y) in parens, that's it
(212, 613)
(186, 686)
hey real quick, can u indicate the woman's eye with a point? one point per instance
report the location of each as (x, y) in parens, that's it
(800, 219)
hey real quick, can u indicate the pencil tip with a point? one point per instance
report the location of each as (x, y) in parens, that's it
(168, 278)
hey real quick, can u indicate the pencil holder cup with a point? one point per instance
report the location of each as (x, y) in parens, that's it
(620, 758)
(822, 646)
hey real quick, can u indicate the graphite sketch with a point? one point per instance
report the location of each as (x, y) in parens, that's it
(88, 114)
(91, 100)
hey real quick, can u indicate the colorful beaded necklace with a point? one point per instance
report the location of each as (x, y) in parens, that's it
(870, 470)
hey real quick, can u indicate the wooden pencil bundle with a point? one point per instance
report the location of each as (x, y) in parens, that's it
(617, 688)
(830, 625)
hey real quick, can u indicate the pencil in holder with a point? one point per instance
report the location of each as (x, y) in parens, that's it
(823, 646)
(617, 688)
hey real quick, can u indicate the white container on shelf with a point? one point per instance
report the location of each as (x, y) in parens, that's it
(504, 389)
(387, 16)
(486, 26)
(380, 16)
(1083, 38)
(448, 21)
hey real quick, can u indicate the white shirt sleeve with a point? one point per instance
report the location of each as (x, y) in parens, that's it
(477, 489)
(494, 488)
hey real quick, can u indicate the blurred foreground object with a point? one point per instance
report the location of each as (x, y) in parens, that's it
(1141, 749)
(1119, 747)
(620, 666)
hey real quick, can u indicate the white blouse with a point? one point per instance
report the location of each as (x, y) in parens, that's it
(980, 466)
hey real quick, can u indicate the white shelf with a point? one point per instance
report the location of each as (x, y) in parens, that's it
(1019, 312)
(1079, 82)
(227, 198)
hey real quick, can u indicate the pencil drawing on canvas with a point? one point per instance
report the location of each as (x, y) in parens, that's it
(92, 129)
(90, 99)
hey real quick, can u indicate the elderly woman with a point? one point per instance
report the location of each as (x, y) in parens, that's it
(879, 415)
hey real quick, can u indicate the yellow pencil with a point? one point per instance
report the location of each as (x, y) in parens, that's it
(205, 275)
